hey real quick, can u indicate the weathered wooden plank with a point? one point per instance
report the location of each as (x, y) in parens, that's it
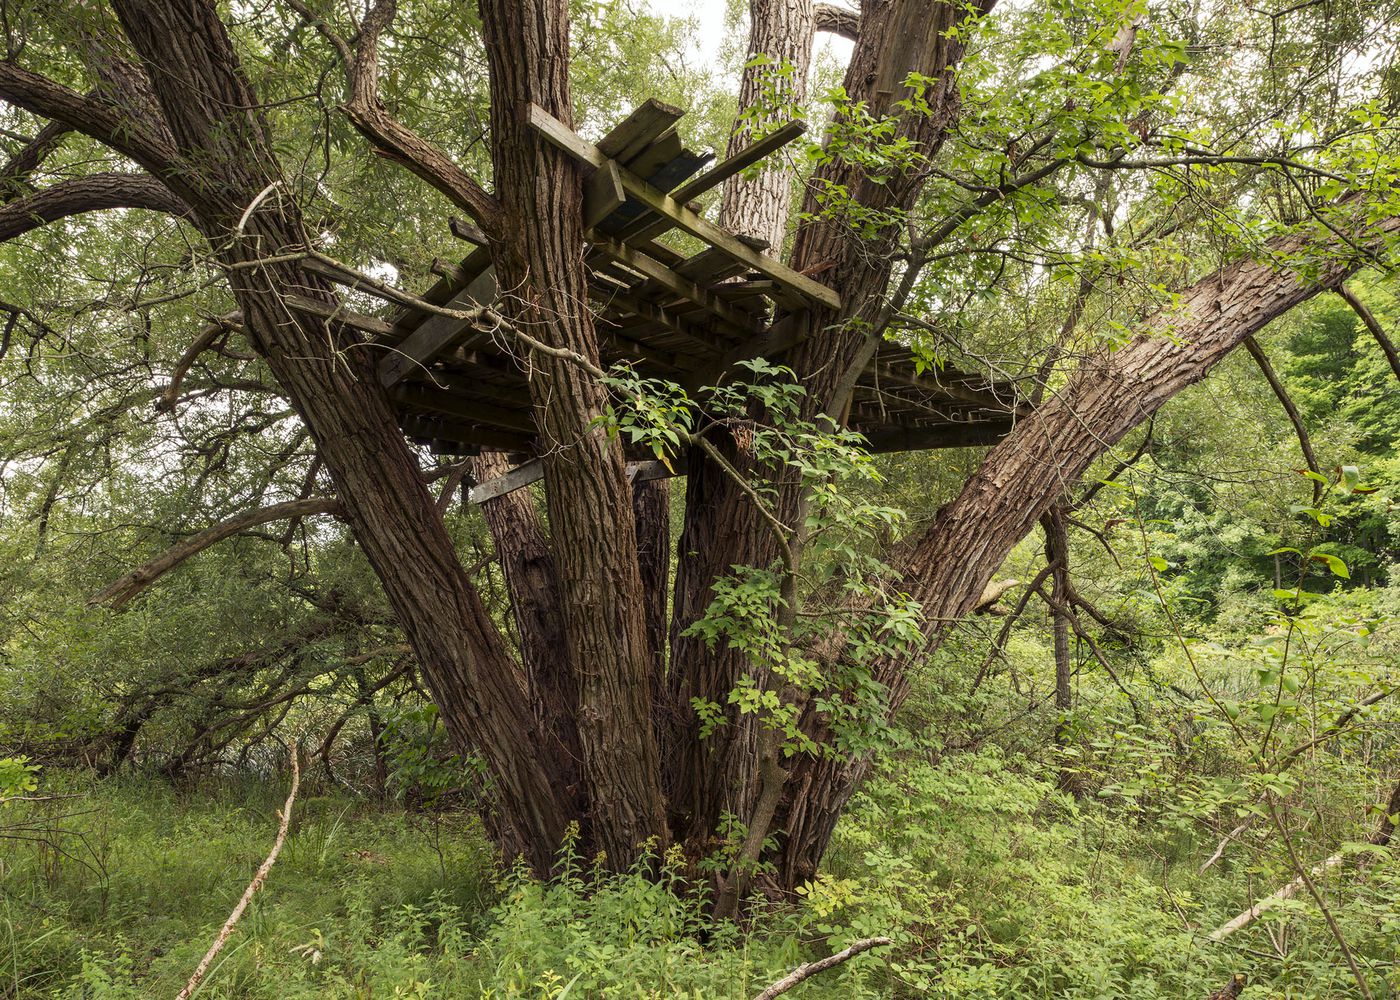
(652, 225)
(647, 121)
(533, 471)
(564, 138)
(442, 290)
(602, 194)
(339, 314)
(649, 160)
(747, 157)
(741, 323)
(437, 333)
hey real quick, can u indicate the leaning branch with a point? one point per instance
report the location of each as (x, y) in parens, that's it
(92, 193)
(1372, 324)
(104, 122)
(1294, 417)
(285, 819)
(122, 591)
(805, 972)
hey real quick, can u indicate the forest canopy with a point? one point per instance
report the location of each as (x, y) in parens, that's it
(620, 511)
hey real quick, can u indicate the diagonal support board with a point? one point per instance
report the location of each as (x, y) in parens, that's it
(559, 135)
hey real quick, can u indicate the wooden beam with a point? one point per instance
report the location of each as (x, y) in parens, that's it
(533, 471)
(716, 175)
(339, 314)
(671, 281)
(639, 129)
(437, 333)
(602, 195)
(682, 217)
(455, 405)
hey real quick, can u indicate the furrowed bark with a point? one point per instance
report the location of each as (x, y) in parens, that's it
(1108, 395)
(527, 565)
(539, 263)
(720, 773)
(781, 34)
(213, 119)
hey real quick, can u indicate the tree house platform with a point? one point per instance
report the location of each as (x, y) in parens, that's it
(682, 317)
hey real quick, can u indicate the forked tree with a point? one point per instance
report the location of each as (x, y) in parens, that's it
(597, 715)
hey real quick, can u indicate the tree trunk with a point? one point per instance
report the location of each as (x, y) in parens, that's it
(209, 108)
(539, 261)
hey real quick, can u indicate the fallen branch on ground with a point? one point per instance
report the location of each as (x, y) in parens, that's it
(253, 886)
(804, 972)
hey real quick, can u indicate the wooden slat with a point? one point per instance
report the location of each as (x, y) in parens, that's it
(742, 324)
(659, 152)
(887, 439)
(533, 471)
(647, 121)
(602, 195)
(716, 175)
(437, 333)
(455, 405)
(339, 314)
(555, 132)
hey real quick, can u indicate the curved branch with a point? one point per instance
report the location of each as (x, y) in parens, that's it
(1372, 324)
(836, 20)
(211, 333)
(390, 137)
(93, 193)
(1294, 417)
(104, 122)
(14, 175)
(122, 591)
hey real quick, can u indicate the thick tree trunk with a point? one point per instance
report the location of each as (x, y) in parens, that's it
(209, 108)
(539, 261)
(1109, 394)
(780, 36)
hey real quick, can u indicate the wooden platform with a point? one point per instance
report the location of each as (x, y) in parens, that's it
(684, 317)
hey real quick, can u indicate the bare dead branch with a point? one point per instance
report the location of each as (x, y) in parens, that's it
(285, 819)
(805, 972)
(123, 590)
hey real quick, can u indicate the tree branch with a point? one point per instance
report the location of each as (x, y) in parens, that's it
(123, 590)
(1372, 324)
(104, 122)
(390, 137)
(93, 193)
(837, 20)
(1294, 417)
(805, 972)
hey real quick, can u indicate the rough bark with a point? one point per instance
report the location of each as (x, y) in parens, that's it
(1107, 396)
(210, 111)
(522, 549)
(93, 193)
(780, 33)
(539, 263)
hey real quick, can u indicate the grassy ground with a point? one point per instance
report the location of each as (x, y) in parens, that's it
(991, 882)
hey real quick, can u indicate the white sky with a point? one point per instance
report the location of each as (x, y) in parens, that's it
(711, 34)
